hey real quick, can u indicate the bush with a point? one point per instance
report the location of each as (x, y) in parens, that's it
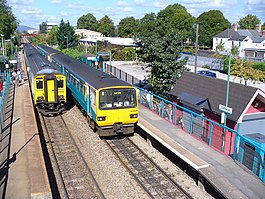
(259, 66)
(226, 62)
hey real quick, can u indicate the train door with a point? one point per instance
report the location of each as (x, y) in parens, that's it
(50, 89)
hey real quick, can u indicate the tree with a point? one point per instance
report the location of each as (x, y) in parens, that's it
(106, 26)
(8, 22)
(210, 24)
(88, 21)
(66, 35)
(161, 57)
(52, 40)
(147, 25)
(43, 28)
(175, 18)
(128, 27)
(249, 22)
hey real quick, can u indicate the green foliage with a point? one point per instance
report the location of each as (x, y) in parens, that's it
(259, 66)
(226, 62)
(39, 39)
(245, 70)
(87, 21)
(128, 27)
(106, 26)
(73, 53)
(43, 28)
(8, 22)
(52, 39)
(147, 25)
(161, 57)
(175, 18)
(66, 36)
(249, 22)
(210, 24)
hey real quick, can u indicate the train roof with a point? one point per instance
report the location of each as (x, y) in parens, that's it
(38, 64)
(48, 49)
(86, 73)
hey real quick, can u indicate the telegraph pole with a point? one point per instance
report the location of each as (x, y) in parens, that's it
(196, 47)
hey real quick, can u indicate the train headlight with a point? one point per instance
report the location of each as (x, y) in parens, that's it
(102, 118)
(134, 116)
(40, 98)
(60, 96)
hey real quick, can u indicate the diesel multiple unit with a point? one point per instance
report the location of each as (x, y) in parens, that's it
(109, 103)
(48, 85)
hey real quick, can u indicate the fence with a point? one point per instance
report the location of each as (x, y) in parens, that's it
(6, 78)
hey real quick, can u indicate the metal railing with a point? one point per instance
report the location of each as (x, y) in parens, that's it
(6, 78)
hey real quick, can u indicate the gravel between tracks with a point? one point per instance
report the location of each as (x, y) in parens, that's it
(112, 177)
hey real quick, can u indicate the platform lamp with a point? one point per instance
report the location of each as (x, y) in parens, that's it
(223, 116)
(11, 43)
(66, 41)
(2, 44)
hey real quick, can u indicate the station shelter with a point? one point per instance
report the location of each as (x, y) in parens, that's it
(96, 61)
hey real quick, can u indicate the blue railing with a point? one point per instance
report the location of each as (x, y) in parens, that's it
(6, 78)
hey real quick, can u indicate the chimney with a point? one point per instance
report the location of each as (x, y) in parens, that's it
(234, 26)
(258, 27)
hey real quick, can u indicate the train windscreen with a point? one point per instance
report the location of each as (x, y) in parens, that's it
(117, 98)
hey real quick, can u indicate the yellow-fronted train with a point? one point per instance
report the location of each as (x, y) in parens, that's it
(48, 84)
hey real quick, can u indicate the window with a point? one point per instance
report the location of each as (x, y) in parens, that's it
(60, 83)
(39, 84)
(117, 98)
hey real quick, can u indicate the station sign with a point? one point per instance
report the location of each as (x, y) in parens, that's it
(103, 53)
(225, 109)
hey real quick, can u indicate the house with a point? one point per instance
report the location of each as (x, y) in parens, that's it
(50, 26)
(250, 43)
(203, 95)
(84, 33)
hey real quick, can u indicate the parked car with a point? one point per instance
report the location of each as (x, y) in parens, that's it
(207, 73)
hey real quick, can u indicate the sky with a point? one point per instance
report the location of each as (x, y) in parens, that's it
(33, 12)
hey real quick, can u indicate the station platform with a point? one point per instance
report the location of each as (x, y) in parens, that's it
(23, 171)
(230, 179)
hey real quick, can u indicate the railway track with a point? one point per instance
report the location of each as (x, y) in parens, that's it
(154, 181)
(75, 179)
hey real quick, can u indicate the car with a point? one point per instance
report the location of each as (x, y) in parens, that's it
(207, 73)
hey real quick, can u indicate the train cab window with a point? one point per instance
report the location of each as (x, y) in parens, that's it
(60, 83)
(117, 98)
(39, 84)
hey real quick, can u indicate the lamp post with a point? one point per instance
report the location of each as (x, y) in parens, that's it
(196, 47)
(226, 101)
(11, 43)
(66, 41)
(3, 44)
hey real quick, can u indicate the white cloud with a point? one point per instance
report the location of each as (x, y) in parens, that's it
(31, 10)
(127, 9)
(139, 2)
(64, 14)
(122, 3)
(160, 3)
(56, 1)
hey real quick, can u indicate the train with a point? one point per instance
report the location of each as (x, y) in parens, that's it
(110, 104)
(48, 85)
